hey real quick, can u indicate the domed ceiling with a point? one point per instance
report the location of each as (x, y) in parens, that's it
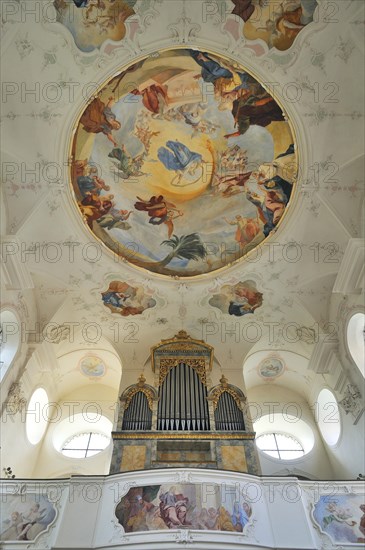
(183, 163)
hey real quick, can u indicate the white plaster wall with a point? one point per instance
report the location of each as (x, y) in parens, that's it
(51, 463)
(277, 399)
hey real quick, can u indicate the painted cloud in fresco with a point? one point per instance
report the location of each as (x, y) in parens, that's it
(183, 163)
(126, 300)
(156, 507)
(238, 300)
(91, 22)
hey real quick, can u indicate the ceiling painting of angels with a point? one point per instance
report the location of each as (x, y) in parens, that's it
(183, 163)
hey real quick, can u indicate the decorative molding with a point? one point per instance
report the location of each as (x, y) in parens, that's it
(180, 435)
(216, 393)
(183, 30)
(14, 271)
(184, 343)
(183, 477)
(140, 387)
(324, 358)
(16, 401)
(184, 537)
(351, 275)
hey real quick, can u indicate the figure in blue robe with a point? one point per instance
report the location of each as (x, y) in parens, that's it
(211, 70)
(180, 158)
(87, 185)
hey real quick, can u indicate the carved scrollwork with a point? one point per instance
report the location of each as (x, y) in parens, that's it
(166, 364)
(351, 402)
(16, 401)
(147, 392)
(225, 387)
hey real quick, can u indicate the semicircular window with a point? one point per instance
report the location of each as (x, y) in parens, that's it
(279, 445)
(178, 150)
(84, 445)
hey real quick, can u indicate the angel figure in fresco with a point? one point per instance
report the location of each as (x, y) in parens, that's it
(159, 211)
(227, 185)
(145, 135)
(115, 219)
(98, 117)
(179, 159)
(193, 115)
(125, 165)
(126, 300)
(103, 14)
(338, 514)
(14, 526)
(35, 515)
(230, 177)
(154, 98)
(94, 207)
(246, 300)
(247, 229)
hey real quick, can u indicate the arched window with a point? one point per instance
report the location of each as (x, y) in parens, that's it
(183, 401)
(137, 414)
(227, 415)
(282, 439)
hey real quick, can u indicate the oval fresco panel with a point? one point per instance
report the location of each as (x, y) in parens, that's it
(183, 163)
(92, 366)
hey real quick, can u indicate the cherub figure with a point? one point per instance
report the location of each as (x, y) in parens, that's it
(159, 211)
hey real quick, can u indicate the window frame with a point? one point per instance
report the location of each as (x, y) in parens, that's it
(88, 448)
(278, 450)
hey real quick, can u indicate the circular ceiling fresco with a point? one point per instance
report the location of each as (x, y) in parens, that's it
(183, 163)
